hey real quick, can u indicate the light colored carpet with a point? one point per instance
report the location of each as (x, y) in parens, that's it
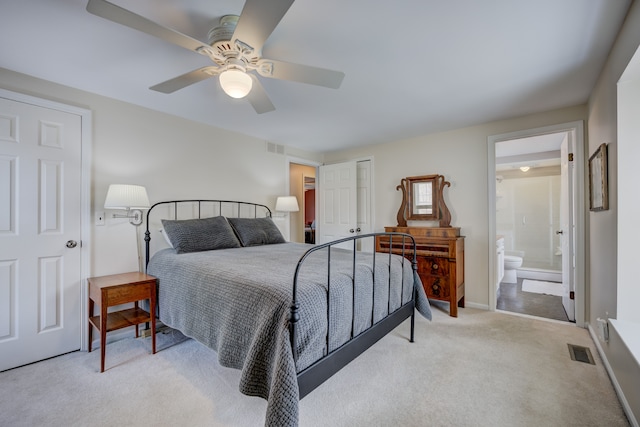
(480, 369)
(540, 287)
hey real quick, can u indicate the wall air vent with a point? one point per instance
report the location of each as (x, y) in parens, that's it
(274, 148)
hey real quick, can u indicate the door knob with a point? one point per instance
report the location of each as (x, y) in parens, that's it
(351, 230)
(559, 232)
(358, 230)
(72, 244)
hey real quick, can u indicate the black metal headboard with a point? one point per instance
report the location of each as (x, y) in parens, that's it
(201, 208)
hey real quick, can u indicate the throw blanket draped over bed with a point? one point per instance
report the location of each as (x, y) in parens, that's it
(237, 302)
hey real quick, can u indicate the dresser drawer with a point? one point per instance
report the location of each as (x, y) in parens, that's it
(433, 266)
(436, 287)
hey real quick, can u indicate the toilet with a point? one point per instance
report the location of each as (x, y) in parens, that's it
(511, 263)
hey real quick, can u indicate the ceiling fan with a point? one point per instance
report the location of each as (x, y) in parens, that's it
(235, 46)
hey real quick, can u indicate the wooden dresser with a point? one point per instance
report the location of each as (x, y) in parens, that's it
(440, 256)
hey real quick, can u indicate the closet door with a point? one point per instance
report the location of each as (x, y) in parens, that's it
(365, 204)
(338, 202)
(40, 229)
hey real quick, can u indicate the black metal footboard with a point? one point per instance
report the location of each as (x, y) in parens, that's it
(336, 359)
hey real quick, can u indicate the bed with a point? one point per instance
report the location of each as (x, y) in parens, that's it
(288, 315)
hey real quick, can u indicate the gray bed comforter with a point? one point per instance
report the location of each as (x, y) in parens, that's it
(237, 302)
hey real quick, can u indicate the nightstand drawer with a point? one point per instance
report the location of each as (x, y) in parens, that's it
(127, 293)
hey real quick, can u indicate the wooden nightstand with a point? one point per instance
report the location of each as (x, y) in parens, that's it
(117, 289)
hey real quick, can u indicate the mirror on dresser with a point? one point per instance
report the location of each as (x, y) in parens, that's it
(422, 200)
(439, 249)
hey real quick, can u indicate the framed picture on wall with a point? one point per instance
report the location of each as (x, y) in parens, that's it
(598, 193)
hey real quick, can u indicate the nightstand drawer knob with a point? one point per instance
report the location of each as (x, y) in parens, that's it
(434, 266)
(72, 244)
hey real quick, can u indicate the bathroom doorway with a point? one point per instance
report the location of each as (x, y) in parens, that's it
(533, 218)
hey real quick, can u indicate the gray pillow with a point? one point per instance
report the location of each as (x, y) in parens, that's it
(256, 231)
(194, 235)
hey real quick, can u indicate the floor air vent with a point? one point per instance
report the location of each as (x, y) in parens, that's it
(581, 354)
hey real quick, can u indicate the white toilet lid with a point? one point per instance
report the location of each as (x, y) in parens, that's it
(512, 258)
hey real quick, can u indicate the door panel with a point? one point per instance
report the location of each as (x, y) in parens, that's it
(338, 201)
(567, 230)
(40, 188)
(365, 217)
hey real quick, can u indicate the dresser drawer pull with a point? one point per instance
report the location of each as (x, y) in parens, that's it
(434, 266)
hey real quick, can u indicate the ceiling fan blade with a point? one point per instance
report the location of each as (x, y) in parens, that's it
(258, 20)
(258, 97)
(300, 73)
(115, 13)
(185, 80)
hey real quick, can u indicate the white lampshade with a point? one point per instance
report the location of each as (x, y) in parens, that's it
(123, 196)
(287, 204)
(235, 83)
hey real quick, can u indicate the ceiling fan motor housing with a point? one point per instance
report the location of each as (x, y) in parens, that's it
(227, 53)
(224, 31)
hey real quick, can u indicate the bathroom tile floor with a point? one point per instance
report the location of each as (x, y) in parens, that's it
(512, 298)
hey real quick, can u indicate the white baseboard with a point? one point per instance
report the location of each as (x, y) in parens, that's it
(528, 316)
(120, 334)
(623, 400)
(533, 274)
(476, 305)
(112, 336)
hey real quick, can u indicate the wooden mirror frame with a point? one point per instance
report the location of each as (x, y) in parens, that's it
(440, 211)
(411, 183)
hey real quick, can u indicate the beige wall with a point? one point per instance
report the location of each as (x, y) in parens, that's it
(179, 158)
(170, 156)
(602, 127)
(461, 156)
(603, 226)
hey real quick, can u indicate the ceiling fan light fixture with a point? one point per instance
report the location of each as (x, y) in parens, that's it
(235, 83)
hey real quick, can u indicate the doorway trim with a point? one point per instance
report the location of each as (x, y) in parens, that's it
(85, 192)
(577, 128)
(287, 182)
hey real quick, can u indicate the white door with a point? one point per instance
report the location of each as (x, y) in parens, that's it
(40, 211)
(566, 231)
(337, 197)
(365, 218)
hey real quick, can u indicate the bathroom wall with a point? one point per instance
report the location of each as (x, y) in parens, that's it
(528, 216)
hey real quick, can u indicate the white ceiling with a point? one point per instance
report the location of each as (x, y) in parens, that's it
(534, 151)
(412, 67)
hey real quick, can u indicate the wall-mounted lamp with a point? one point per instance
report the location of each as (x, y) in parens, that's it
(287, 204)
(132, 198)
